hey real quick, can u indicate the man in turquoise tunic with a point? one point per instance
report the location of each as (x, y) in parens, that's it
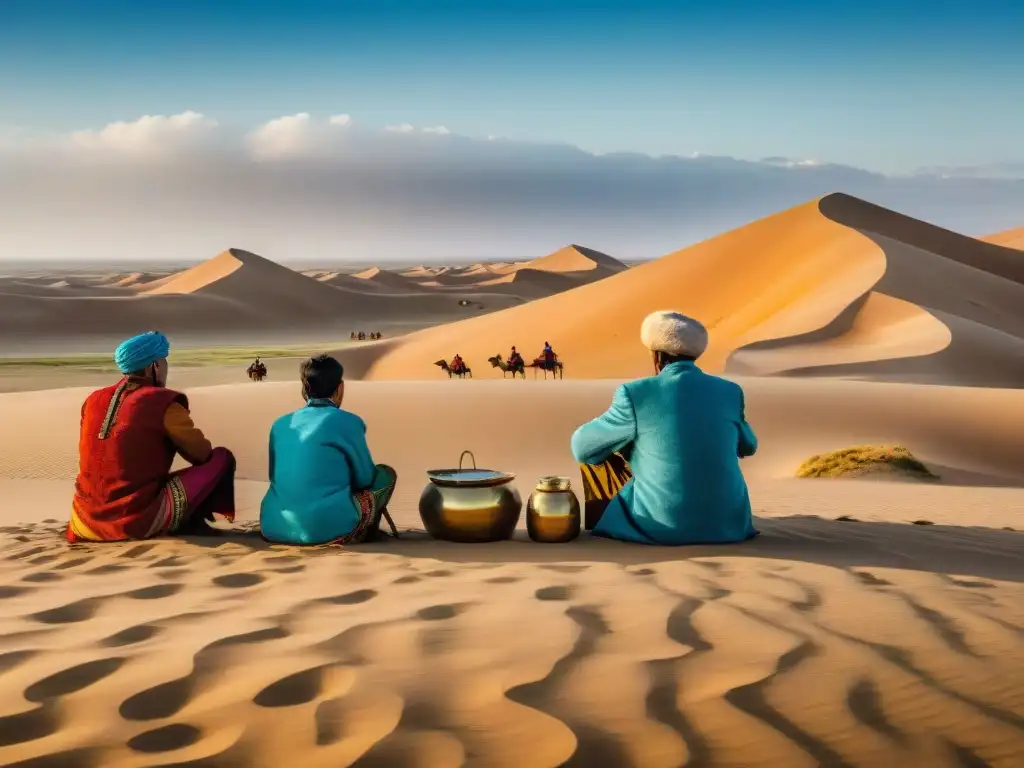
(324, 485)
(661, 465)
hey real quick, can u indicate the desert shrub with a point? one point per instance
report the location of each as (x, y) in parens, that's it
(865, 459)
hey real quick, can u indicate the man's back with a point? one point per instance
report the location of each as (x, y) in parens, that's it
(318, 457)
(690, 430)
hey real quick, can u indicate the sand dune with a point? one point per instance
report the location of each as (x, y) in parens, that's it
(385, 279)
(576, 258)
(1011, 238)
(818, 643)
(833, 287)
(235, 292)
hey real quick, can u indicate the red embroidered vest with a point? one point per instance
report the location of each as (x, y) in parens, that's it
(125, 457)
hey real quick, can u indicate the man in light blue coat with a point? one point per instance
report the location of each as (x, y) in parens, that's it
(661, 465)
(324, 486)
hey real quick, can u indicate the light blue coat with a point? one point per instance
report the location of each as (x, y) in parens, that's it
(684, 432)
(318, 457)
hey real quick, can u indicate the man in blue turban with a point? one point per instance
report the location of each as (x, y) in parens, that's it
(130, 434)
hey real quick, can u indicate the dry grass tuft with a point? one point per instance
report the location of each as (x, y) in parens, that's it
(865, 459)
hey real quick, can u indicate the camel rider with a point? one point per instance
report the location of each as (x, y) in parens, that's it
(549, 354)
(457, 364)
(515, 360)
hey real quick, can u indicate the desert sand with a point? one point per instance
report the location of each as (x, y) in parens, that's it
(1010, 238)
(821, 642)
(835, 287)
(873, 622)
(238, 293)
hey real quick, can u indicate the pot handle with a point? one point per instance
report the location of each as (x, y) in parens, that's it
(463, 456)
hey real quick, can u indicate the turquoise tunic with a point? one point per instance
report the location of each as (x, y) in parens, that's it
(318, 458)
(684, 432)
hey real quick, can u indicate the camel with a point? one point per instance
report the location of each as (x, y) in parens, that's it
(540, 364)
(466, 370)
(256, 372)
(498, 362)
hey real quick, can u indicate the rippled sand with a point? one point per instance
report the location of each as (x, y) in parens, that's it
(229, 651)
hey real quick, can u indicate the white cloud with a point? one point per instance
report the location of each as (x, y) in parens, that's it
(282, 136)
(374, 194)
(149, 137)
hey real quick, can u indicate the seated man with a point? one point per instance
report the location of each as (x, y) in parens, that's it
(324, 486)
(130, 433)
(660, 465)
(457, 364)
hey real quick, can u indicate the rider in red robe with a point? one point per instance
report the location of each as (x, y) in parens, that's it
(457, 364)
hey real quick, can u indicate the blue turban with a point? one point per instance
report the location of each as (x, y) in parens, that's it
(141, 351)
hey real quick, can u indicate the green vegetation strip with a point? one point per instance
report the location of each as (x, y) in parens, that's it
(184, 357)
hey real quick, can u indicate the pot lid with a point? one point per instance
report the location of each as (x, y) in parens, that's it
(468, 478)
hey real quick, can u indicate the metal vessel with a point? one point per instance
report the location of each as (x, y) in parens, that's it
(553, 511)
(470, 505)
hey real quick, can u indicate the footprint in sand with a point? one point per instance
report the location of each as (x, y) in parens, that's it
(328, 717)
(238, 580)
(138, 551)
(864, 702)
(72, 679)
(441, 612)
(410, 579)
(554, 593)
(28, 726)
(350, 598)
(503, 580)
(131, 635)
(155, 592)
(104, 570)
(72, 563)
(165, 739)
(42, 577)
(298, 688)
(81, 610)
(14, 658)
(167, 699)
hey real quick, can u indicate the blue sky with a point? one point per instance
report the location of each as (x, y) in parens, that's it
(888, 86)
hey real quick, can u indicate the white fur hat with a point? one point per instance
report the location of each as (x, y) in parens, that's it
(674, 334)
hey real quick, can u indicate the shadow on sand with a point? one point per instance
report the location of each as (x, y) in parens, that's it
(970, 551)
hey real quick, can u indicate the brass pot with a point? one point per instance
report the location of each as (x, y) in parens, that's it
(553, 511)
(470, 505)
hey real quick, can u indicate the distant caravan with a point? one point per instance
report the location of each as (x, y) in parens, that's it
(257, 371)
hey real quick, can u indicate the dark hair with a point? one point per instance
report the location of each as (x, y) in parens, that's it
(664, 358)
(321, 376)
